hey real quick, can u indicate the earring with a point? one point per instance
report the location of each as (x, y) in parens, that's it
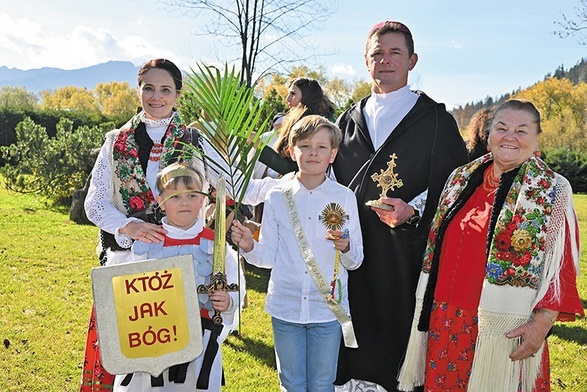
(488, 148)
(537, 153)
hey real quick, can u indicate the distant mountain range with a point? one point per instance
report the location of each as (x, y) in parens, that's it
(36, 80)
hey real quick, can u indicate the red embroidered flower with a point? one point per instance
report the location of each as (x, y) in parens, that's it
(136, 203)
(503, 240)
(119, 147)
(525, 258)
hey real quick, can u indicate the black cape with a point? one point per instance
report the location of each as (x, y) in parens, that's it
(428, 147)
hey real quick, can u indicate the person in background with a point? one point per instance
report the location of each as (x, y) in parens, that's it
(180, 198)
(307, 320)
(121, 196)
(499, 269)
(305, 97)
(309, 93)
(477, 133)
(403, 138)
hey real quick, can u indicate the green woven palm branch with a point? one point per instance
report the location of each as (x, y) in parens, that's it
(231, 120)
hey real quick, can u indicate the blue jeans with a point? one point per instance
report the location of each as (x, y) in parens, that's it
(306, 354)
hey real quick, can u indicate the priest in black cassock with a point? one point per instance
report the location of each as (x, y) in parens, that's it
(402, 144)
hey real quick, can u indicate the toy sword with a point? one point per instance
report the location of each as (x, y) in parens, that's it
(218, 279)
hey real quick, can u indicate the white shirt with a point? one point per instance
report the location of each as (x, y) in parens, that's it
(292, 295)
(383, 112)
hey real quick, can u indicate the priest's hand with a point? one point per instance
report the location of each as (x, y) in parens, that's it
(398, 215)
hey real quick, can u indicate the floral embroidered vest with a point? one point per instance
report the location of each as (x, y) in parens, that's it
(130, 190)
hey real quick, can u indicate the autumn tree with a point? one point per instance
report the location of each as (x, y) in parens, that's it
(268, 35)
(18, 98)
(563, 110)
(117, 99)
(70, 98)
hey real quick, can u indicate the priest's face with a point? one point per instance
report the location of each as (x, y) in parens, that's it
(388, 61)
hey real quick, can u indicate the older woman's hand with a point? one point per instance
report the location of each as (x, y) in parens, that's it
(398, 215)
(144, 231)
(532, 335)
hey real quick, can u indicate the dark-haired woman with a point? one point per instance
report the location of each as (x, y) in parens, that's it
(121, 196)
(305, 97)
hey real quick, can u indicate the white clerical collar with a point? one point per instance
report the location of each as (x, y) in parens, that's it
(181, 234)
(391, 97)
(383, 112)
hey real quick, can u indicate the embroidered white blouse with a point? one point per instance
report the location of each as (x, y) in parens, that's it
(292, 295)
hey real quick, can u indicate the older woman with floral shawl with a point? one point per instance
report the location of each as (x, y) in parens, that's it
(499, 269)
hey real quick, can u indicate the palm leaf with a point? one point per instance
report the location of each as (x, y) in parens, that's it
(232, 122)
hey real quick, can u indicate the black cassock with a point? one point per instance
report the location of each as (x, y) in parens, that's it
(428, 147)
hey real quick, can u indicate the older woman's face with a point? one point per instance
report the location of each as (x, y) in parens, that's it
(513, 138)
(294, 96)
(157, 93)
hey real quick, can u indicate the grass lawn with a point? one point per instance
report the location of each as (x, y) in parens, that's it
(45, 299)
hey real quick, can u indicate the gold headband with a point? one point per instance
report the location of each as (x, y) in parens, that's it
(180, 172)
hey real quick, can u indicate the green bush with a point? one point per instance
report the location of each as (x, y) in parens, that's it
(571, 164)
(48, 119)
(51, 166)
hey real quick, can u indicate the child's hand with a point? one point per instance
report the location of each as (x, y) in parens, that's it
(242, 236)
(220, 300)
(340, 239)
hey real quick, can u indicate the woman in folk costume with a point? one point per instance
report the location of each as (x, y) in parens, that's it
(499, 269)
(121, 196)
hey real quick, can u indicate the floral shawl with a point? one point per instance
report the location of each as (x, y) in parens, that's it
(525, 252)
(131, 193)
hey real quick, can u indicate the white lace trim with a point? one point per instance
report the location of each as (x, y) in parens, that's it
(150, 123)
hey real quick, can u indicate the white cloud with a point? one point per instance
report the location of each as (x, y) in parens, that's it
(456, 45)
(342, 69)
(26, 46)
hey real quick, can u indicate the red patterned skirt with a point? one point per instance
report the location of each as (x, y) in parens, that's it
(94, 377)
(451, 348)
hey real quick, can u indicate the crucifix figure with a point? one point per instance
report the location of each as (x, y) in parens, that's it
(386, 180)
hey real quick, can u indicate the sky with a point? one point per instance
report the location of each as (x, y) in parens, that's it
(467, 50)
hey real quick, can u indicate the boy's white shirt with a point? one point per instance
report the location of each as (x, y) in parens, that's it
(292, 295)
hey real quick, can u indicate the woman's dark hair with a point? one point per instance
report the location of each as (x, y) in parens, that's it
(294, 115)
(161, 64)
(477, 133)
(314, 98)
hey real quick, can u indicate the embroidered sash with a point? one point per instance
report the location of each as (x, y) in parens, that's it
(323, 287)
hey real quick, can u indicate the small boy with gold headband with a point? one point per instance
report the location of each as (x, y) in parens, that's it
(181, 199)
